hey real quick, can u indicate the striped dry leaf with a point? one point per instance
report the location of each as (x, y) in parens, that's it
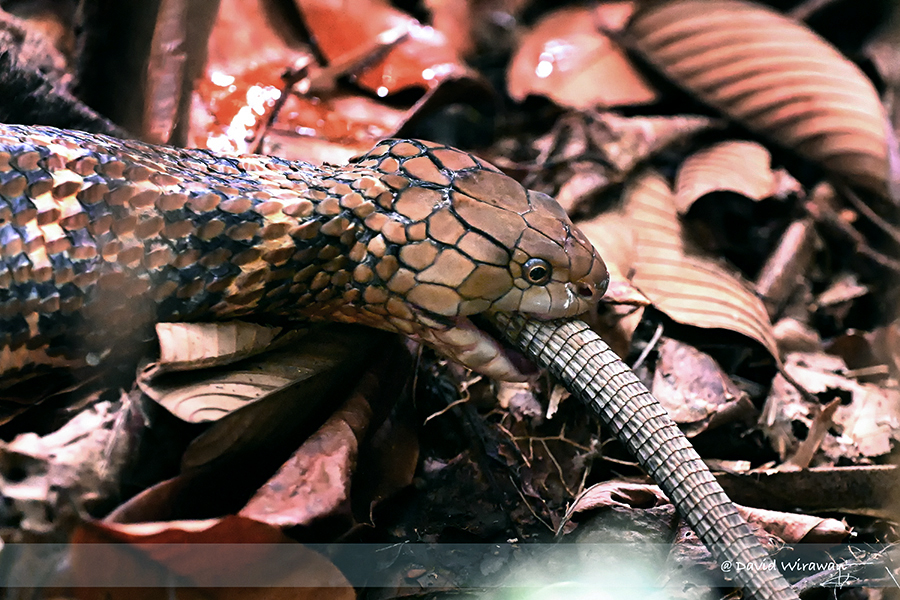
(212, 394)
(691, 289)
(733, 166)
(775, 76)
(186, 346)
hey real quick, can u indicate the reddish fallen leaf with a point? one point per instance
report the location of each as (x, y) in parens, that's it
(159, 502)
(422, 60)
(246, 59)
(695, 390)
(244, 83)
(774, 75)
(207, 554)
(566, 58)
(315, 482)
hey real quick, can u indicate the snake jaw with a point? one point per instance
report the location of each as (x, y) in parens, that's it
(478, 350)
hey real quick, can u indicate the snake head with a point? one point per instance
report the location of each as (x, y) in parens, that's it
(489, 245)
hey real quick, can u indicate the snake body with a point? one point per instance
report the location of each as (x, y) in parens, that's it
(101, 238)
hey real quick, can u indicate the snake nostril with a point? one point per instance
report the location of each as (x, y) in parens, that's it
(585, 290)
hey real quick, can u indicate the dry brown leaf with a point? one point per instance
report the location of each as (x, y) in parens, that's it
(388, 465)
(867, 490)
(567, 59)
(209, 395)
(518, 397)
(775, 76)
(211, 555)
(312, 368)
(624, 303)
(794, 528)
(694, 389)
(186, 346)
(625, 142)
(315, 482)
(790, 527)
(822, 423)
(621, 494)
(733, 166)
(689, 288)
(795, 336)
(45, 479)
(869, 423)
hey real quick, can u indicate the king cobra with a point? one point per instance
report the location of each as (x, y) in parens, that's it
(101, 238)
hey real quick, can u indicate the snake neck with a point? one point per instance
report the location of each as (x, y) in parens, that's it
(101, 238)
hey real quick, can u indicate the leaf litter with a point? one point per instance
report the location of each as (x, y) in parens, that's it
(250, 451)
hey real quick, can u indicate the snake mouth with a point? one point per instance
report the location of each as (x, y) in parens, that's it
(472, 342)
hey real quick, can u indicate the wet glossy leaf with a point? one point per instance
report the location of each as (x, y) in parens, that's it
(423, 59)
(566, 58)
(775, 76)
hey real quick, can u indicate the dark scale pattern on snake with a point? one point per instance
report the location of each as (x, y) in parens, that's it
(103, 237)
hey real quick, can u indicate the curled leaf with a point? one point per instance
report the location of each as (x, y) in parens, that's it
(733, 166)
(184, 346)
(209, 395)
(690, 288)
(315, 481)
(774, 75)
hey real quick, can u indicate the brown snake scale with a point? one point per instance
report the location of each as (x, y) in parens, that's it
(101, 238)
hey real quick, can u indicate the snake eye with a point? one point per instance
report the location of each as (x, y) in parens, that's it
(537, 271)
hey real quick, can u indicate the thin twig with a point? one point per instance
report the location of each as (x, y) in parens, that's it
(806, 394)
(648, 348)
(870, 214)
(828, 217)
(445, 409)
(559, 469)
